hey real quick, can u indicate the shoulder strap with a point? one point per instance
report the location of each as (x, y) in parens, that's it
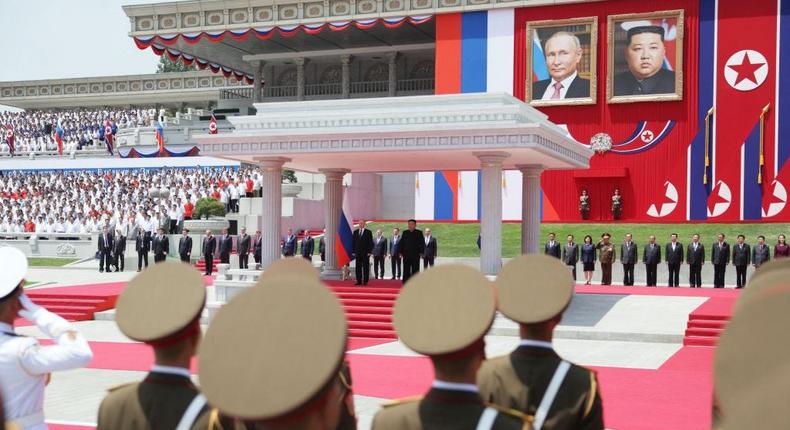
(487, 419)
(551, 394)
(191, 413)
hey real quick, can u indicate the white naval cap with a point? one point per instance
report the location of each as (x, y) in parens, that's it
(14, 269)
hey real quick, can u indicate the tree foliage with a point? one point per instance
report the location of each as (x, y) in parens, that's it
(289, 176)
(208, 207)
(166, 65)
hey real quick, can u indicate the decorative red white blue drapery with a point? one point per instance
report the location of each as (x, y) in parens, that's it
(155, 152)
(161, 44)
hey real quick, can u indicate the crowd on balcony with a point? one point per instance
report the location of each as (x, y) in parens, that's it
(85, 201)
(35, 130)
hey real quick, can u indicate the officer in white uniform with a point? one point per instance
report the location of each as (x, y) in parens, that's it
(24, 364)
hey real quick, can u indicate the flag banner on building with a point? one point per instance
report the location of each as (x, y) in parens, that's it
(212, 125)
(344, 243)
(9, 138)
(59, 136)
(160, 138)
(136, 153)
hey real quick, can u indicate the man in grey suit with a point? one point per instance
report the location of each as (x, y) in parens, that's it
(379, 254)
(243, 247)
(652, 257)
(720, 256)
(761, 253)
(552, 247)
(570, 255)
(628, 258)
(740, 259)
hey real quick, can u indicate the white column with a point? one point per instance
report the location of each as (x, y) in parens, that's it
(271, 213)
(491, 211)
(345, 80)
(333, 204)
(530, 207)
(257, 86)
(392, 69)
(300, 62)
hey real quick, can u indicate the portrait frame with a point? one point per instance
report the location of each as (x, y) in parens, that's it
(591, 68)
(612, 48)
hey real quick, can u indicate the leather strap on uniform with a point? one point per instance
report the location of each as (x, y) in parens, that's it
(551, 394)
(191, 413)
(591, 395)
(487, 419)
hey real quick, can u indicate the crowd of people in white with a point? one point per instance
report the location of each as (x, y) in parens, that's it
(87, 201)
(33, 131)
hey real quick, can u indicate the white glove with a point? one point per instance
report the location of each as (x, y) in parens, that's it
(30, 310)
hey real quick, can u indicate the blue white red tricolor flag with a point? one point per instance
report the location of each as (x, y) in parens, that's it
(344, 243)
(59, 136)
(160, 138)
(9, 138)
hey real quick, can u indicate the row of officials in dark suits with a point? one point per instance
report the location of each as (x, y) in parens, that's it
(740, 255)
(112, 248)
(294, 376)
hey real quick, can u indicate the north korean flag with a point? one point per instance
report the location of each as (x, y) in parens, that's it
(108, 135)
(9, 138)
(745, 61)
(212, 126)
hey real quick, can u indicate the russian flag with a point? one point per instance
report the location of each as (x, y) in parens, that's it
(344, 244)
(160, 138)
(539, 66)
(59, 136)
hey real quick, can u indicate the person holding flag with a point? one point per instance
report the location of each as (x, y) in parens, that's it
(212, 126)
(160, 138)
(9, 138)
(107, 133)
(58, 135)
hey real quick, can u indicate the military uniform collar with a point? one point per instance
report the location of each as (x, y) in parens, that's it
(536, 344)
(455, 386)
(7, 329)
(171, 370)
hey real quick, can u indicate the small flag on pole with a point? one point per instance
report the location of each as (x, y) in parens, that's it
(212, 126)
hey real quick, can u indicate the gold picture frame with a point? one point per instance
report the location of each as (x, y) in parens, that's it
(585, 30)
(622, 85)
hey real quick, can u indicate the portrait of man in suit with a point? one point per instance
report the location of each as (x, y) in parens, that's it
(645, 57)
(562, 61)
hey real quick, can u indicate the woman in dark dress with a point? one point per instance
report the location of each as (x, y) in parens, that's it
(588, 258)
(781, 250)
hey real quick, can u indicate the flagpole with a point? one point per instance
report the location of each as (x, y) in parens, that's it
(707, 144)
(762, 143)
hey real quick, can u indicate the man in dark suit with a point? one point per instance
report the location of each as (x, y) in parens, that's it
(243, 246)
(741, 255)
(289, 244)
(652, 257)
(394, 252)
(552, 247)
(695, 258)
(105, 250)
(720, 256)
(363, 247)
(628, 256)
(570, 255)
(257, 245)
(225, 247)
(322, 247)
(674, 254)
(379, 254)
(431, 250)
(208, 248)
(142, 246)
(563, 53)
(161, 245)
(645, 54)
(412, 247)
(307, 246)
(761, 253)
(185, 246)
(119, 251)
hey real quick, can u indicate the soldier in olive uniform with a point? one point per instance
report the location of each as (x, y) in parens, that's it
(751, 379)
(607, 255)
(288, 377)
(161, 307)
(444, 313)
(534, 291)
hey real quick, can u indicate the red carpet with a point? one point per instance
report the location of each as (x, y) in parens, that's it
(78, 303)
(658, 291)
(707, 322)
(368, 307)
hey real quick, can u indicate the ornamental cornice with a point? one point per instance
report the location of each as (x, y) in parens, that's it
(115, 85)
(218, 15)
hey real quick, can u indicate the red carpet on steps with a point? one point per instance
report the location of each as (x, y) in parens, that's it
(707, 322)
(368, 307)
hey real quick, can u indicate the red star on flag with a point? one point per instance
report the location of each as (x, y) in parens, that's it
(746, 69)
(715, 198)
(769, 199)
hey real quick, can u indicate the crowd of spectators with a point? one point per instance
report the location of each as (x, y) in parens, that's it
(33, 130)
(86, 201)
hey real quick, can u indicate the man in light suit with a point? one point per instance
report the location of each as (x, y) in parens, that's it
(379, 254)
(306, 248)
(563, 53)
(431, 250)
(395, 255)
(570, 255)
(695, 257)
(552, 247)
(652, 257)
(741, 256)
(243, 245)
(760, 253)
(674, 254)
(628, 258)
(289, 244)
